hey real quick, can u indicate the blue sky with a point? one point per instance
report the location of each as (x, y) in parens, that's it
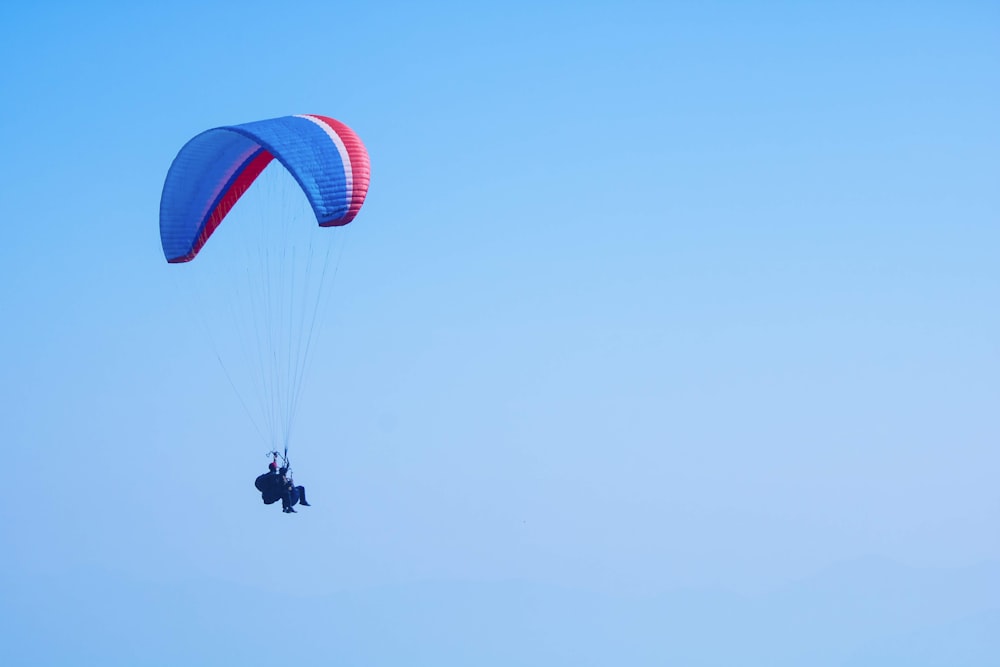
(667, 335)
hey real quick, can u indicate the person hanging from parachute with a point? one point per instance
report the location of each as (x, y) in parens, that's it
(277, 484)
(209, 176)
(270, 484)
(291, 494)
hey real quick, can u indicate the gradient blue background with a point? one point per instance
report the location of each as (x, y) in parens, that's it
(667, 335)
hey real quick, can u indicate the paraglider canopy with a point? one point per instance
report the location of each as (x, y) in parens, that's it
(213, 170)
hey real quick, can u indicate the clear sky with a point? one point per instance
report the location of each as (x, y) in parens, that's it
(668, 334)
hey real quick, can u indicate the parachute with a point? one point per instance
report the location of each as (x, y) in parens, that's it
(213, 170)
(268, 298)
